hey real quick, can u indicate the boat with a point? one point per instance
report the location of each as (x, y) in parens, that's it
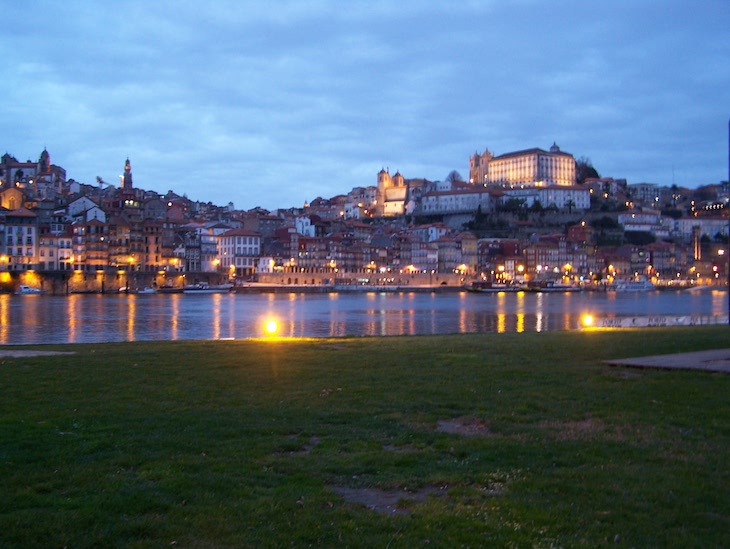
(552, 286)
(169, 290)
(205, 288)
(146, 290)
(482, 286)
(640, 284)
(24, 289)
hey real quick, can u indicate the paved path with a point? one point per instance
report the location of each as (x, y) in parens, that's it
(717, 360)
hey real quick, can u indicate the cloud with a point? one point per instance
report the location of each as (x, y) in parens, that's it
(273, 105)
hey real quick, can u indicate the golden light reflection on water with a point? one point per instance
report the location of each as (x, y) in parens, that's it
(520, 299)
(73, 312)
(174, 322)
(539, 322)
(4, 318)
(216, 312)
(501, 323)
(131, 316)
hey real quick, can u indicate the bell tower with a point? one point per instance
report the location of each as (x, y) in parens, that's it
(126, 179)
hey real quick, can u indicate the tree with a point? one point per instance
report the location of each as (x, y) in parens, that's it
(584, 169)
(705, 193)
(639, 238)
(513, 205)
(672, 212)
(605, 222)
(454, 177)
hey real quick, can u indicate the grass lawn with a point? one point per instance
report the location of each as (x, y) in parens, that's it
(520, 440)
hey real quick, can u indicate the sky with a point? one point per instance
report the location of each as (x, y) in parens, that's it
(275, 103)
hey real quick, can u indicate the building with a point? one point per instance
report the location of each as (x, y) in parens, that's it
(531, 167)
(37, 179)
(391, 195)
(457, 201)
(19, 246)
(239, 251)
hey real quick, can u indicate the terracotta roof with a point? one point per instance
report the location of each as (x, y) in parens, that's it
(240, 232)
(20, 212)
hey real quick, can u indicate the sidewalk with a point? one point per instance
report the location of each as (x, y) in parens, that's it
(717, 360)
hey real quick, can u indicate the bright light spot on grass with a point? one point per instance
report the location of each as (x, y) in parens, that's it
(587, 320)
(271, 327)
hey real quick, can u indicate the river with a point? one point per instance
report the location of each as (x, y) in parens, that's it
(32, 319)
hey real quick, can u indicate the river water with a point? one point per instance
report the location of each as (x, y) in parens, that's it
(30, 319)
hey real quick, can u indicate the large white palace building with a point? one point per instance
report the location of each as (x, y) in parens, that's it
(531, 167)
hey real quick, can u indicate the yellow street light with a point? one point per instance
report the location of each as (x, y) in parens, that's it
(271, 327)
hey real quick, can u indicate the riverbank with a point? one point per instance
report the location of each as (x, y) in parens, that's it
(480, 439)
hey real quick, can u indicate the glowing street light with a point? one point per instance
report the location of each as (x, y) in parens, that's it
(271, 327)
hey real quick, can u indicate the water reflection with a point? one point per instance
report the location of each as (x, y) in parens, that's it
(131, 316)
(85, 318)
(175, 302)
(4, 319)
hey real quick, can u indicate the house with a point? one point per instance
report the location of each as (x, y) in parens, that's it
(239, 251)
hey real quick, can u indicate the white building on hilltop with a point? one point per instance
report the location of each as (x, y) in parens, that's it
(531, 167)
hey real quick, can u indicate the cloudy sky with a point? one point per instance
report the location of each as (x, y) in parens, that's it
(275, 103)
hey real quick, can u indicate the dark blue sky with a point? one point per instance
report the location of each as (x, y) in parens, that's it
(275, 103)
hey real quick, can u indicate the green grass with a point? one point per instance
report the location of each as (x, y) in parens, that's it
(241, 443)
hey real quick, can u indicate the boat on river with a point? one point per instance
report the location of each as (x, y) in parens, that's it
(485, 287)
(147, 290)
(552, 286)
(640, 284)
(24, 289)
(205, 288)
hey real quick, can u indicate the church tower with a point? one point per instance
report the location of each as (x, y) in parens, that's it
(126, 179)
(384, 182)
(44, 162)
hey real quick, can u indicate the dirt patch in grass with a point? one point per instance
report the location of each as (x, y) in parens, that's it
(300, 449)
(592, 428)
(391, 502)
(400, 449)
(465, 426)
(576, 430)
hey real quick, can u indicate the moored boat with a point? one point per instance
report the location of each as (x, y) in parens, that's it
(640, 284)
(205, 288)
(552, 286)
(482, 286)
(24, 289)
(146, 290)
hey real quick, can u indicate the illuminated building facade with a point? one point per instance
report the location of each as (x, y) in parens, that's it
(531, 167)
(391, 194)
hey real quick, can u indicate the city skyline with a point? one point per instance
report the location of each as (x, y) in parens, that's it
(273, 108)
